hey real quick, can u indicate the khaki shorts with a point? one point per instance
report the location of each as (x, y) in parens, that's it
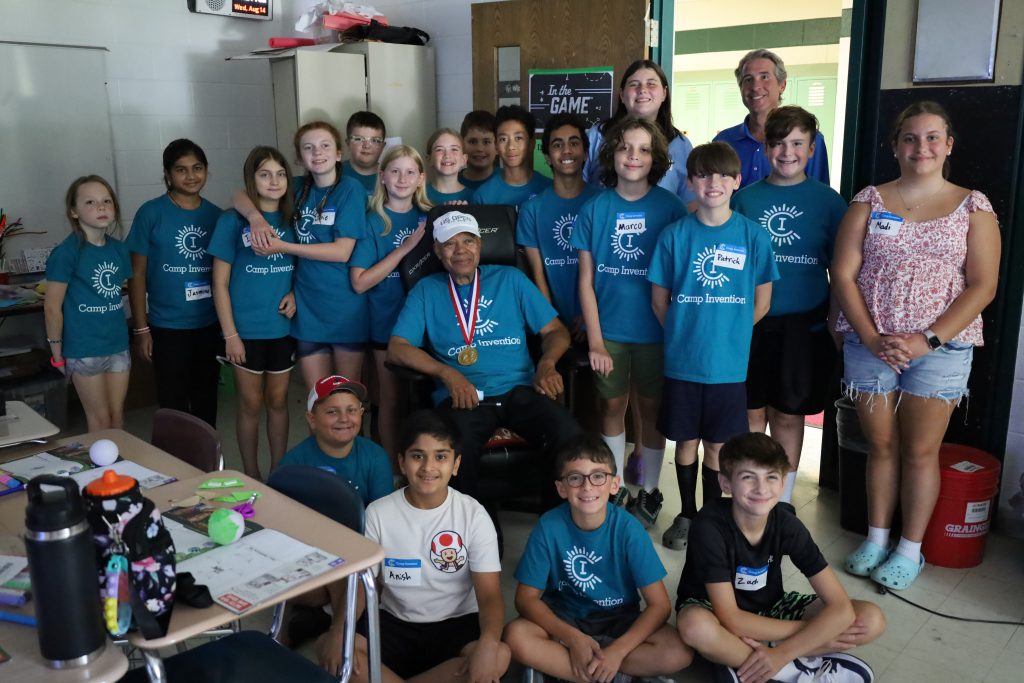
(640, 363)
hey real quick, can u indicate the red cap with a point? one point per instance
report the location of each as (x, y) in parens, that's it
(332, 384)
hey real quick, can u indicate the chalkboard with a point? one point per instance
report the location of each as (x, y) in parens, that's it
(588, 92)
(54, 127)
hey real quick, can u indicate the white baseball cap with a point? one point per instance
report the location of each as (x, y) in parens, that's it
(452, 223)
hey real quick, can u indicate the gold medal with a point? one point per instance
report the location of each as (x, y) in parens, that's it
(468, 356)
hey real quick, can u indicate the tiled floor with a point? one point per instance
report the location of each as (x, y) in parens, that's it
(916, 647)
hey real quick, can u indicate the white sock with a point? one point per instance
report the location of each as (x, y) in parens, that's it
(787, 493)
(652, 459)
(909, 549)
(618, 446)
(879, 536)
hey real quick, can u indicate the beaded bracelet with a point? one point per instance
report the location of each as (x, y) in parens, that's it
(54, 341)
(231, 336)
(140, 330)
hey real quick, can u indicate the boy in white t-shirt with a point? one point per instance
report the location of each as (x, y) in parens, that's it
(442, 610)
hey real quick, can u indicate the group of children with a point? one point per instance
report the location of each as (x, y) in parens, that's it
(666, 302)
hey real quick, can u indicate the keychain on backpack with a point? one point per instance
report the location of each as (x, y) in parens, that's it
(117, 608)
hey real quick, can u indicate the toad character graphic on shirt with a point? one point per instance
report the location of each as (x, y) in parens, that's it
(447, 551)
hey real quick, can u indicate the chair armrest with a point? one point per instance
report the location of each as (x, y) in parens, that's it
(406, 373)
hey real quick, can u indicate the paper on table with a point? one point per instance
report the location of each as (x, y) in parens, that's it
(11, 566)
(256, 568)
(147, 478)
(42, 463)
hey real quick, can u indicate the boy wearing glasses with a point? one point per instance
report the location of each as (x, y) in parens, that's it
(584, 569)
(364, 137)
(334, 411)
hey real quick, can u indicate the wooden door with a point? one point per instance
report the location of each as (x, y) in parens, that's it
(554, 34)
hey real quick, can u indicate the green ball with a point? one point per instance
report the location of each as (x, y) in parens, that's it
(226, 526)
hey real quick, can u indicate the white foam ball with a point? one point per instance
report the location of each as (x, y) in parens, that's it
(104, 452)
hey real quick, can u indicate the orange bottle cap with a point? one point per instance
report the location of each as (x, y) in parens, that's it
(110, 484)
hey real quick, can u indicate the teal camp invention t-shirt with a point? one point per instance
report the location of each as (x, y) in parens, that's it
(94, 322)
(387, 297)
(711, 275)
(497, 191)
(258, 283)
(546, 224)
(510, 308)
(179, 284)
(802, 221)
(327, 309)
(620, 236)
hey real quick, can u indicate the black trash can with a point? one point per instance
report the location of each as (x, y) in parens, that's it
(853, 458)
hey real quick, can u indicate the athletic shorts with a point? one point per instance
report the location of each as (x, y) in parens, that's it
(306, 348)
(941, 374)
(271, 356)
(641, 363)
(712, 412)
(790, 364)
(603, 625)
(98, 365)
(409, 648)
(790, 607)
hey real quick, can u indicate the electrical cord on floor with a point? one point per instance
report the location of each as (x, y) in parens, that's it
(882, 590)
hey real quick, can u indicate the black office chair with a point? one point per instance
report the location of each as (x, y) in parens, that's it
(321, 491)
(506, 457)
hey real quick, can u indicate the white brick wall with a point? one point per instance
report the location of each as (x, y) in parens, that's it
(167, 78)
(1013, 462)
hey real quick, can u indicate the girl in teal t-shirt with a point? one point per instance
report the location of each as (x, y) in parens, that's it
(254, 301)
(397, 218)
(447, 157)
(331, 324)
(85, 325)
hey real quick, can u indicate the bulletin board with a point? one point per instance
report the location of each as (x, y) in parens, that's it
(54, 127)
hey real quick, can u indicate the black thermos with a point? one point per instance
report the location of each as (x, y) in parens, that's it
(62, 562)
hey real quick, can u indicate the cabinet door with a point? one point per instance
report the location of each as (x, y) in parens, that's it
(329, 86)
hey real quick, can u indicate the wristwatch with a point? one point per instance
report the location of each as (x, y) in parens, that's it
(933, 339)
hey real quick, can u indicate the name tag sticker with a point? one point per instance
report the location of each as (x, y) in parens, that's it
(885, 223)
(730, 256)
(630, 222)
(326, 217)
(199, 289)
(247, 236)
(398, 572)
(751, 578)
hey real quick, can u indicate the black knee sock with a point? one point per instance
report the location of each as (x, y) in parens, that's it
(709, 484)
(686, 476)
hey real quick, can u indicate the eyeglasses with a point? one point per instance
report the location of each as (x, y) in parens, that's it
(349, 412)
(359, 140)
(575, 480)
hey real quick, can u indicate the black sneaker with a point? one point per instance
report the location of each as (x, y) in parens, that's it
(646, 506)
(623, 499)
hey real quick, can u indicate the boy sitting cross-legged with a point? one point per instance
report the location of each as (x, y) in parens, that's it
(731, 599)
(584, 568)
(441, 605)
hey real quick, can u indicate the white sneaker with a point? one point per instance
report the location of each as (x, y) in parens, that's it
(837, 667)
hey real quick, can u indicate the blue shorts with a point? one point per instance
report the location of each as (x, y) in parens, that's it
(940, 374)
(712, 412)
(91, 366)
(305, 348)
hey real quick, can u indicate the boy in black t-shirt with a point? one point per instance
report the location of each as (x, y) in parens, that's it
(731, 601)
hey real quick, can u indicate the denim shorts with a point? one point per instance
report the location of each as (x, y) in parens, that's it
(98, 365)
(306, 348)
(940, 374)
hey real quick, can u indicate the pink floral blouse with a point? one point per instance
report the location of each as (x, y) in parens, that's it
(910, 278)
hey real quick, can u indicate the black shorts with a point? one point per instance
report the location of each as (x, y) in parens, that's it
(272, 356)
(791, 361)
(712, 412)
(410, 648)
(603, 625)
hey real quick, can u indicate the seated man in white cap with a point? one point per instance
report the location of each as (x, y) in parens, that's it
(473, 321)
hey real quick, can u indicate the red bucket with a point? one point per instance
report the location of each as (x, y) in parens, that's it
(959, 525)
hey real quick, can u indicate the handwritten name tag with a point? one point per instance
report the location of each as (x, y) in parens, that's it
(751, 578)
(885, 223)
(399, 572)
(730, 256)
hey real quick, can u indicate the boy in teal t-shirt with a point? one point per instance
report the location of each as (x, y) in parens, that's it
(791, 352)
(365, 134)
(516, 181)
(712, 276)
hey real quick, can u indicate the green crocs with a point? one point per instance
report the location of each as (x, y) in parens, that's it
(865, 559)
(898, 572)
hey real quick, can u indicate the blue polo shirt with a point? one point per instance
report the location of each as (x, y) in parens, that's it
(510, 308)
(497, 191)
(258, 283)
(620, 236)
(754, 163)
(546, 224)
(178, 269)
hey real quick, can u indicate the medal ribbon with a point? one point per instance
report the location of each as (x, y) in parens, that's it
(467, 320)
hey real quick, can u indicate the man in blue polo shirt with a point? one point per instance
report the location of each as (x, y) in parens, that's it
(473, 321)
(761, 75)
